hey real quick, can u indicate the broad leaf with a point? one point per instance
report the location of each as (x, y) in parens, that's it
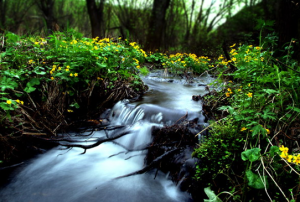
(211, 195)
(274, 150)
(258, 129)
(33, 82)
(255, 181)
(251, 154)
(7, 83)
(29, 89)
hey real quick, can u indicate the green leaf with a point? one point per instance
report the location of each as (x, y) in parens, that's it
(29, 89)
(101, 65)
(258, 129)
(274, 150)
(5, 106)
(76, 105)
(7, 83)
(293, 108)
(251, 154)
(211, 195)
(269, 115)
(255, 181)
(33, 82)
(270, 91)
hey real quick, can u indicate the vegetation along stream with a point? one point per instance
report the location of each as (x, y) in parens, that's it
(100, 174)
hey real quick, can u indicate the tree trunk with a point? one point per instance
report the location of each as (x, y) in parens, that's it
(287, 24)
(46, 6)
(3, 7)
(157, 25)
(96, 17)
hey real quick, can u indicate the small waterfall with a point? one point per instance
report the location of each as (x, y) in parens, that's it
(69, 176)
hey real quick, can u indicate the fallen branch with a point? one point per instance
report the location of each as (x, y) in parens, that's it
(154, 162)
(12, 166)
(99, 141)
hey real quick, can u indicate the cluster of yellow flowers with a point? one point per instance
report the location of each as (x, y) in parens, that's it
(229, 92)
(17, 101)
(31, 62)
(290, 158)
(59, 68)
(244, 128)
(38, 41)
(137, 63)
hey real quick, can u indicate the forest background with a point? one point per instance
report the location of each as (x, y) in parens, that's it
(200, 27)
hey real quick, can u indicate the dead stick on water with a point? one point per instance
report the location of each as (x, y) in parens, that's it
(155, 161)
(99, 141)
(12, 166)
(183, 117)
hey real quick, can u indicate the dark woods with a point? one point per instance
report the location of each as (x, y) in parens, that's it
(201, 27)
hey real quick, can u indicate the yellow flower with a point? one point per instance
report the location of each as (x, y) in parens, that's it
(138, 66)
(296, 159)
(227, 94)
(249, 84)
(283, 155)
(283, 149)
(52, 78)
(76, 74)
(229, 89)
(18, 101)
(257, 48)
(239, 90)
(249, 94)
(21, 102)
(67, 70)
(268, 131)
(54, 66)
(289, 158)
(68, 67)
(71, 74)
(8, 102)
(232, 46)
(243, 129)
(70, 110)
(233, 59)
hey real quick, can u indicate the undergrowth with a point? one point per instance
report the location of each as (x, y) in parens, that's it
(253, 153)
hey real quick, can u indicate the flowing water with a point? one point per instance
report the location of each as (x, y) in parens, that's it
(68, 175)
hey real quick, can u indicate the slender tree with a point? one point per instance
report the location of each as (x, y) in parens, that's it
(46, 7)
(96, 12)
(157, 24)
(3, 8)
(287, 23)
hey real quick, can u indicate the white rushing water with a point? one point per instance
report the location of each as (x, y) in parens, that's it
(67, 175)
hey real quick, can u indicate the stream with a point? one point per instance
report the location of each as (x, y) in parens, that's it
(70, 176)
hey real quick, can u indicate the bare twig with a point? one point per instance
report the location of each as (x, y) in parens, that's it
(273, 179)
